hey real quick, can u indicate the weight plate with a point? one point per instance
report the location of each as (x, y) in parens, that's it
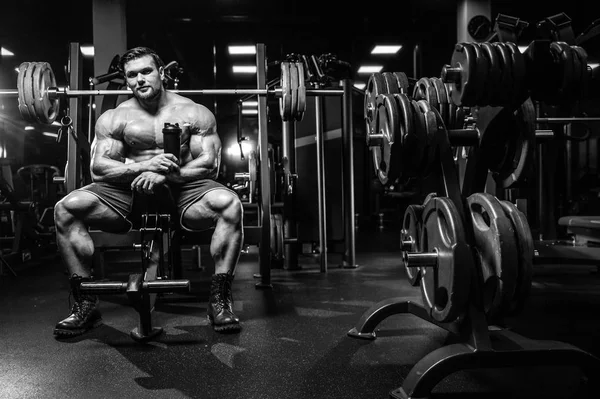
(22, 104)
(445, 288)
(420, 136)
(442, 97)
(387, 125)
(424, 90)
(481, 74)
(285, 102)
(403, 83)
(525, 251)
(563, 55)
(411, 232)
(28, 95)
(301, 91)
(494, 80)
(375, 86)
(413, 145)
(464, 91)
(391, 82)
(505, 92)
(431, 128)
(519, 74)
(497, 249)
(293, 91)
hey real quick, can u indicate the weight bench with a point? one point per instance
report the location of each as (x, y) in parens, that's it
(152, 236)
(585, 229)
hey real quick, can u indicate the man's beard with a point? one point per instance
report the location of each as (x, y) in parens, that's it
(148, 95)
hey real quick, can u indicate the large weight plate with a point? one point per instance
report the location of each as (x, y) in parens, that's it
(403, 82)
(285, 102)
(301, 91)
(431, 128)
(425, 90)
(411, 231)
(28, 95)
(505, 92)
(391, 82)
(463, 58)
(22, 104)
(494, 72)
(563, 55)
(525, 248)
(293, 91)
(509, 143)
(375, 86)
(46, 110)
(420, 136)
(481, 73)
(387, 124)
(442, 98)
(519, 74)
(413, 144)
(445, 288)
(497, 249)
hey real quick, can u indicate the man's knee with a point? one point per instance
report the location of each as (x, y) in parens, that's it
(230, 206)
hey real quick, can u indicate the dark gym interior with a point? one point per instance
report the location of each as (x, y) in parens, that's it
(429, 228)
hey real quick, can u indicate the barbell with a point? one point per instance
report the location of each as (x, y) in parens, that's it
(39, 97)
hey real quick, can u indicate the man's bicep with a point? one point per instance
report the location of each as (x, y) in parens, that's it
(105, 144)
(107, 147)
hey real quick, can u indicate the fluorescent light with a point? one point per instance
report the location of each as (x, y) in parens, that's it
(249, 111)
(360, 86)
(250, 104)
(386, 49)
(29, 128)
(56, 123)
(593, 65)
(6, 52)
(522, 49)
(50, 134)
(88, 51)
(244, 69)
(370, 69)
(242, 50)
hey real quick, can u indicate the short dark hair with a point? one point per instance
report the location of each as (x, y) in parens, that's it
(138, 52)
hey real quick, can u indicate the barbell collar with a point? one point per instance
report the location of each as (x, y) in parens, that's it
(424, 259)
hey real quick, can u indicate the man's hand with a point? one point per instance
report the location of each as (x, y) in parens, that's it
(162, 163)
(147, 181)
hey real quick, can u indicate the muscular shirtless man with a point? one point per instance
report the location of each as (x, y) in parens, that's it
(127, 159)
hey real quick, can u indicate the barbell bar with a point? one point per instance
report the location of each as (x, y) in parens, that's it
(55, 92)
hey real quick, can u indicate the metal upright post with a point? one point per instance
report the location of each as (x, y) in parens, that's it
(74, 164)
(263, 156)
(348, 260)
(321, 183)
(288, 136)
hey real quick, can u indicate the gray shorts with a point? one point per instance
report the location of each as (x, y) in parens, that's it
(131, 205)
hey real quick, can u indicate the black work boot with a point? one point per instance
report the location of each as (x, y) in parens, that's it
(220, 304)
(84, 313)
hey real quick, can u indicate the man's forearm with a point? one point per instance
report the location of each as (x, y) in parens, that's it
(117, 172)
(186, 174)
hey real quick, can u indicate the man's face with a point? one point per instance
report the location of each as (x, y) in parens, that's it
(143, 78)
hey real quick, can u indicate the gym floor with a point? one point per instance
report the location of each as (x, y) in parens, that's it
(294, 341)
